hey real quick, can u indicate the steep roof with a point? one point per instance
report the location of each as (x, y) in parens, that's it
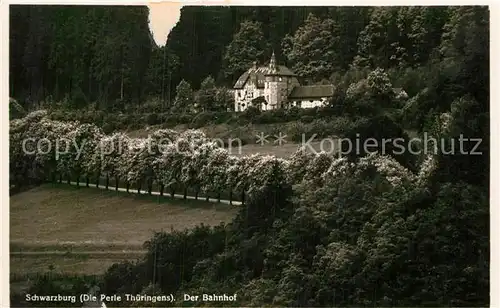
(315, 91)
(260, 72)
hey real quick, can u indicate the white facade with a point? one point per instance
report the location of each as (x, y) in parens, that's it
(309, 103)
(243, 97)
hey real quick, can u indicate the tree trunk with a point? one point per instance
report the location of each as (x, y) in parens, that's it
(121, 87)
(185, 193)
(107, 181)
(163, 81)
(60, 178)
(231, 196)
(87, 181)
(117, 181)
(128, 186)
(162, 187)
(150, 187)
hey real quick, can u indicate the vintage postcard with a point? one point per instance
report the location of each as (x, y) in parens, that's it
(304, 156)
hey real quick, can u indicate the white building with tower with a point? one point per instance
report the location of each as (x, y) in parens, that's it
(276, 86)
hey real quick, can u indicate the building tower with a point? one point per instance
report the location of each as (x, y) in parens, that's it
(277, 84)
(272, 63)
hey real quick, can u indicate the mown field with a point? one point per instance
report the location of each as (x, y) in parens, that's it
(65, 229)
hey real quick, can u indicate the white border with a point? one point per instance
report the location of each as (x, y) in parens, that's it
(261, 2)
(494, 109)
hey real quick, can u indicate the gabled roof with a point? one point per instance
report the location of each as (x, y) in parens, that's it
(260, 73)
(315, 91)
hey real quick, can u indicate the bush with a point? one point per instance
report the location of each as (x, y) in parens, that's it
(124, 277)
(293, 114)
(152, 119)
(15, 109)
(151, 106)
(309, 112)
(79, 99)
(202, 119)
(295, 131)
(268, 117)
(221, 117)
(379, 128)
(251, 113)
(364, 107)
(339, 125)
(307, 118)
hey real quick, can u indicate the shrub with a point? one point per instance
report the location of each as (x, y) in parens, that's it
(122, 277)
(339, 125)
(151, 106)
(295, 131)
(267, 117)
(251, 113)
(202, 119)
(307, 118)
(15, 109)
(293, 114)
(152, 119)
(379, 128)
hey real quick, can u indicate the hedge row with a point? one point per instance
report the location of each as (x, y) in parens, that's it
(120, 121)
(41, 148)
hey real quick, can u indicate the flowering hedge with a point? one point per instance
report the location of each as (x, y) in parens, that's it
(168, 158)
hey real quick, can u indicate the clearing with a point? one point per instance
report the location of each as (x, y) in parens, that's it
(251, 133)
(84, 230)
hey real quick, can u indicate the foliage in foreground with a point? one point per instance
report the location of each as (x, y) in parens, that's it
(316, 230)
(356, 234)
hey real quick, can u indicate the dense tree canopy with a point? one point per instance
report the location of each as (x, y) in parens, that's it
(88, 54)
(368, 229)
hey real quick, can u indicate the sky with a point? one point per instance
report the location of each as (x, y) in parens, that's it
(162, 18)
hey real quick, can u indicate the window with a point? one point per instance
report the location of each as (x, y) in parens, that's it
(280, 79)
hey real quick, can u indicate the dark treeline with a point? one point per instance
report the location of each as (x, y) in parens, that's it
(106, 54)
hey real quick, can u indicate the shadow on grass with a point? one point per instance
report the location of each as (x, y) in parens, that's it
(165, 199)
